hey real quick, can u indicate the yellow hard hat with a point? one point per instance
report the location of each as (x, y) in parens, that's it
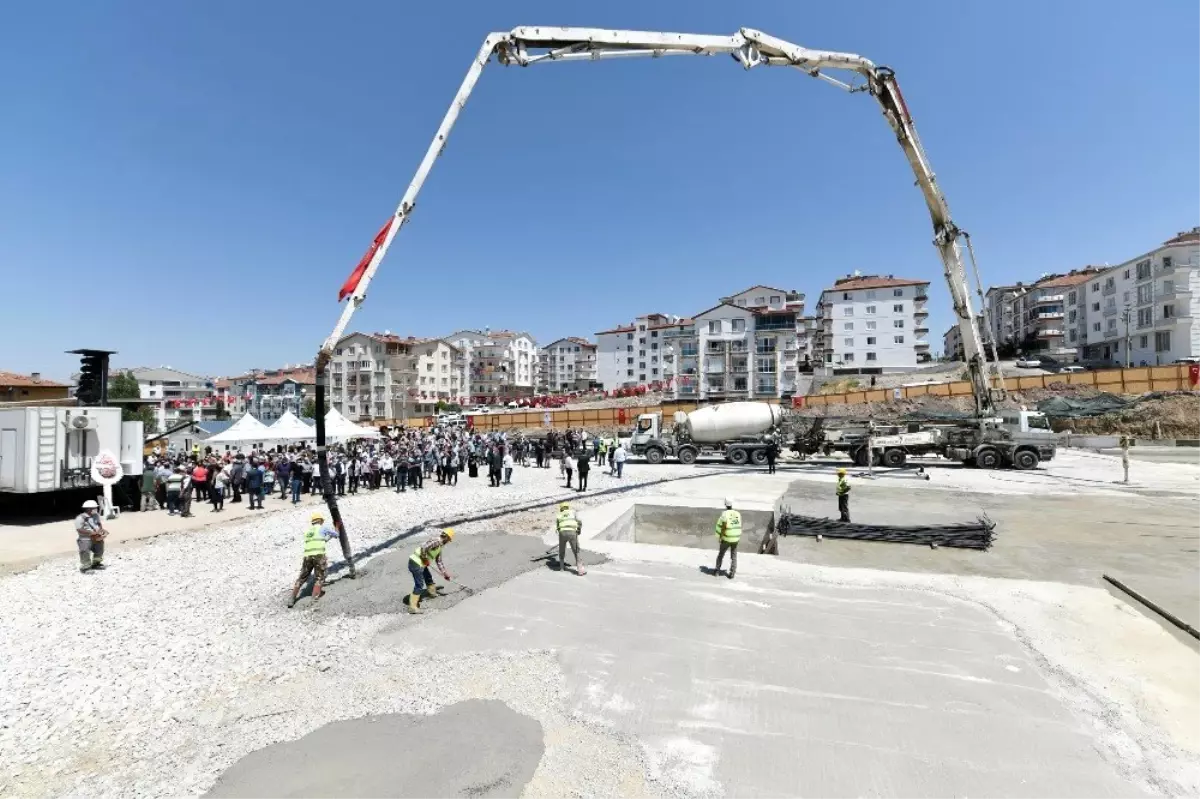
(564, 505)
(317, 516)
(449, 533)
(841, 471)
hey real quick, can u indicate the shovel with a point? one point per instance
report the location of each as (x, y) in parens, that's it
(470, 591)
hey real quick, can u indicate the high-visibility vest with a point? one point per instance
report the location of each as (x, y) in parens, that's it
(843, 486)
(567, 521)
(729, 526)
(314, 542)
(420, 560)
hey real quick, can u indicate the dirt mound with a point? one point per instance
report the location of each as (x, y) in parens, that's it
(1163, 416)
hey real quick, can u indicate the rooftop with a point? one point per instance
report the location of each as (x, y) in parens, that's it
(27, 381)
(1185, 237)
(856, 282)
(1072, 278)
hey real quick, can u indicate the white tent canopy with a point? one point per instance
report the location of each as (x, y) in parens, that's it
(290, 428)
(246, 429)
(338, 426)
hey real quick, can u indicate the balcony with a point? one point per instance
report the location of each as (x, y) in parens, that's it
(688, 331)
(921, 344)
(1047, 315)
(738, 346)
(763, 387)
(1111, 311)
(1049, 298)
(922, 297)
(714, 368)
(715, 348)
(1109, 289)
(774, 324)
(688, 352)
(1112, 332)
(1050, 333)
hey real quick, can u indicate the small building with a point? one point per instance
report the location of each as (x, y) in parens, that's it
(33, 387)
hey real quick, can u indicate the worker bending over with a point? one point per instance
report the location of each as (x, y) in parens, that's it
(569, 527)
(90, 534)
(315, 562)
(729, 532)
(843, 495)
(428, 553)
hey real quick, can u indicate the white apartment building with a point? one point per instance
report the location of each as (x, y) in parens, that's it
(633, 354)
(1041, 316)
(179, 396)
(952, 344)
(871, 324)
(568, 364)
(997, 314)
(1144, 312)
(375, 376)
(497, 366)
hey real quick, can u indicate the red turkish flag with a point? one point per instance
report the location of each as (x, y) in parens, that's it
(352, 282)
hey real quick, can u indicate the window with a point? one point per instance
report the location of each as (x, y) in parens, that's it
(848, 310)
(1112, 325)
(774, 299)
(641, 353)
(714, 326)
(1168, 311)
(629, 337)
(1111, 303)
(870, 325)
(848, 357)
(845, 295)
(654, 346)
(1145, 318)
(642, 341)
(1095, 306)
(1167, 262)
(870, 356)
(1143, 341)
(870, 309)
(739, 325)
(654, 371)
(629, 373)
(847, 326)
(897, 292)
(741, 302)
(870, 341)
(641, 328)
(829, 357)
(1143, 269)
(1073, 335)
(1110, 283)
(898, 323)
(1145, 293)
(629, 360)
(760, 300)
(1096, 327)
(1095, 287)
(870, 295)
(1071, 316)
(849, 342)
(1162, 341)
(629, 348)
(898, 339)
(1168, 287)
(1071, 298)
(642, 365)
(898, 308)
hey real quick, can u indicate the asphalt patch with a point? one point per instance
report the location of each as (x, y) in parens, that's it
(477, 560)
(477, 748)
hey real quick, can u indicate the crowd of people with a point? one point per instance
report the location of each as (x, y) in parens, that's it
(400, 460)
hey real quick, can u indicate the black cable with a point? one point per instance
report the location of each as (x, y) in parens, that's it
(976, 535)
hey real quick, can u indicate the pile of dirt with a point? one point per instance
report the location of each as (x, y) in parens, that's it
(1174, 415)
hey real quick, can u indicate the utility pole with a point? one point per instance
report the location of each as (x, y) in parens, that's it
(1126, 315)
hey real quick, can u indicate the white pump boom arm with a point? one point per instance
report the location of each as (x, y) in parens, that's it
(529, 45)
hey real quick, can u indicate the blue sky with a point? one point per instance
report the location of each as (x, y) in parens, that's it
(190, 183)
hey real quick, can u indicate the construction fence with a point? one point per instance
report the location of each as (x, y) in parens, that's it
(1140, 380)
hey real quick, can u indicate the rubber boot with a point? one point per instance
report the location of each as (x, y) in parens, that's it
(98, 566)
(429, 593)
(291, 602)
(412, 603)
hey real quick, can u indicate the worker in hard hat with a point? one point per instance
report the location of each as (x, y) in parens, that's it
(90, 533)
(428, 553)
(316, 536)
(843, 495)
(568, 526)
(729, 532)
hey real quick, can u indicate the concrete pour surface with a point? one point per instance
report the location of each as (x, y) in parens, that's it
(778, 686)
(398, 754)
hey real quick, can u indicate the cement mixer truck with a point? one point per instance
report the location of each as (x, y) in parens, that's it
(741, 432)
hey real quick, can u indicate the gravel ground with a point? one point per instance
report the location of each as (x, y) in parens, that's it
(156, 675)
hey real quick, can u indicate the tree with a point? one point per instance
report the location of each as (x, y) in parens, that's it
(221, 412)
(309, 409)
(124, 386)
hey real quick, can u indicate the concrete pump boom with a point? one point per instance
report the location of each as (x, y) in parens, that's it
(529, 45)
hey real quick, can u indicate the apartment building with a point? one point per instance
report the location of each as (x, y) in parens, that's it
(1041, 315)
(568, 364)
(872, 324)
(1143, 312)
(178, 396)
(497, 366)
(634, 354)
(997, 315)
(952, 345)
(375, 376)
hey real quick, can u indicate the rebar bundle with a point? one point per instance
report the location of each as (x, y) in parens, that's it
(976, 535)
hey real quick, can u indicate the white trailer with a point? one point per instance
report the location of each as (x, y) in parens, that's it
(47, 449)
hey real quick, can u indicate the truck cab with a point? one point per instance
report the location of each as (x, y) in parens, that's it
(648, 428)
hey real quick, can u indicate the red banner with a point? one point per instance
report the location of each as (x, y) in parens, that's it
(1194, 374)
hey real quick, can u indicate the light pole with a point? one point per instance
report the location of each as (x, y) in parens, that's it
(1126, 315)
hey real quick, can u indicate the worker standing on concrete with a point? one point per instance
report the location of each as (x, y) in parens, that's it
(316, 536)
(843, 495)
(428, 553)
(90, 533)
(729, 532)
(569, 527)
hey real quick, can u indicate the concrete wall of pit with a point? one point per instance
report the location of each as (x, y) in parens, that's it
(684, 526)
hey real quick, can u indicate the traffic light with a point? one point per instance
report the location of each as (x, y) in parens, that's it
(92, 388)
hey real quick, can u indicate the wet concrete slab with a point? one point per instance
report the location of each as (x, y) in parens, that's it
(779, 688)
(478, 748)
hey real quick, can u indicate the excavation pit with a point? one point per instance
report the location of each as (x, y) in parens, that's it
(684, 525)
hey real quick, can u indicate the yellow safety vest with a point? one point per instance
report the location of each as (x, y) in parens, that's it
(729, 526)
(567, 522)
(422, 561)
(843, 486)
(314, 542)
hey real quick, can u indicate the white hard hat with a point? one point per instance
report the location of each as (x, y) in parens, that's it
(90, 505)
(728, 502)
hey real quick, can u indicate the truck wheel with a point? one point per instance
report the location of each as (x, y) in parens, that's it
(859, 456)
(987, 458)
(737, 456)
(1025, 459)
(758, 457)
(894, 458)
(687, 456)
(654, 455)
